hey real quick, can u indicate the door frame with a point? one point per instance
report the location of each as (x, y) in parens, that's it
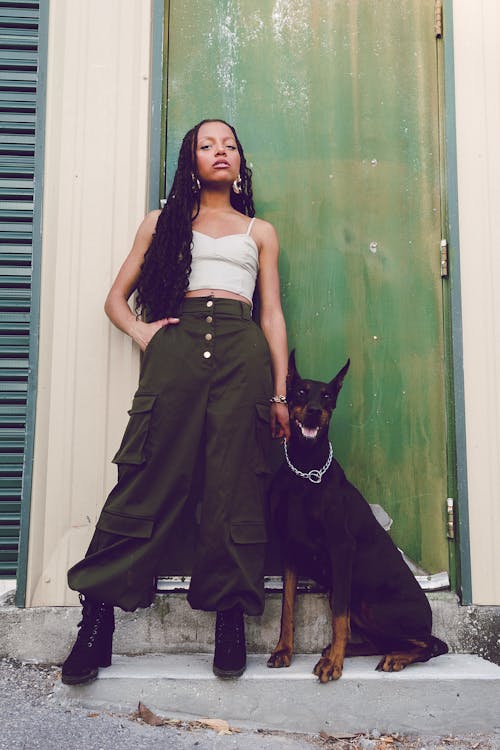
(456, 443)
(456, 363)
(159, 66)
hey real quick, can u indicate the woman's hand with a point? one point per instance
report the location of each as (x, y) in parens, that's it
(280, 421)
(142, 333)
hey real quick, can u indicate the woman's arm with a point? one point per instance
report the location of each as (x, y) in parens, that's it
(272, 321)
(116, 306)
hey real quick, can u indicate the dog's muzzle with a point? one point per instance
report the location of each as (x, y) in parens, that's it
(309, 433)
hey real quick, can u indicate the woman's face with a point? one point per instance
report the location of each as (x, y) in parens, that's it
(217, 157)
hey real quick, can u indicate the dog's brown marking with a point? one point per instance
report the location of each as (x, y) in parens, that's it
(330, 666)
(282, 654)
(417, 651)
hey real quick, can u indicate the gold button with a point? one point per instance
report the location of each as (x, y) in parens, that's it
(207, 355)
(209, 318)
(208, 337)
(210, 303)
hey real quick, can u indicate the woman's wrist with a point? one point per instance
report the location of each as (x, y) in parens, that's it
(134, 330)
(278, 398)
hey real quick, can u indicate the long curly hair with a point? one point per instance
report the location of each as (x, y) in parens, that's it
(167, 263)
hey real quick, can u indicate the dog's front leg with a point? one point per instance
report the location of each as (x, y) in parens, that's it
(282, 654)
(330, 666)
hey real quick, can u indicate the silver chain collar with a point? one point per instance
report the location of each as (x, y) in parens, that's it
(315, 475)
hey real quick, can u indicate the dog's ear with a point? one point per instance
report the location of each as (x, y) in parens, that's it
(336, 384)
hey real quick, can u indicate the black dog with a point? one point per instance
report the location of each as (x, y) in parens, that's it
(329, 534)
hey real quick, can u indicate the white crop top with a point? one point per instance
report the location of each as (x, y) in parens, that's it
(230, 263)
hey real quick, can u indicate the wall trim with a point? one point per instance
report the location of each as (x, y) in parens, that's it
(156, 130)
(464, 562)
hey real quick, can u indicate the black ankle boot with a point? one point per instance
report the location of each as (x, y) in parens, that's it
(92, 648)
(230, 656)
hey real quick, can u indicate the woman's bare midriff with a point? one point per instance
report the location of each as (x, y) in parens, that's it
(218, 293)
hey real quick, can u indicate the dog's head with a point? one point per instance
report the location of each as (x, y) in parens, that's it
(311, 402)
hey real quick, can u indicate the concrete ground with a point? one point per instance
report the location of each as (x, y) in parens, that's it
(33, 718)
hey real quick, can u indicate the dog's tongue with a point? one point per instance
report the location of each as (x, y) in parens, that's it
(309, 432)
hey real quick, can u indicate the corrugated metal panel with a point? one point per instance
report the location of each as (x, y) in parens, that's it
(19, 26)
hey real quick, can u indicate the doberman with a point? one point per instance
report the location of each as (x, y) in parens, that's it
(330, 534)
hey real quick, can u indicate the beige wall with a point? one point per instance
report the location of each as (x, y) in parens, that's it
(477, 83)
(95, 196)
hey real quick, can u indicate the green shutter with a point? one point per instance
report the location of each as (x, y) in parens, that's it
(23, 31)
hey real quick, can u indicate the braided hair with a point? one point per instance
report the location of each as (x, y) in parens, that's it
(165, 272)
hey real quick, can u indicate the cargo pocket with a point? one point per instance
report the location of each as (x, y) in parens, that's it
(132, 526)
(248, 533)
(134, 440)
(262, 438)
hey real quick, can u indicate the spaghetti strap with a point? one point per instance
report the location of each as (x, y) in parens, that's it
(249, 228)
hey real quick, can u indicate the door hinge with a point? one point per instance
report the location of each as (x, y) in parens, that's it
(443, 249)
(450, 515)
(438, 18)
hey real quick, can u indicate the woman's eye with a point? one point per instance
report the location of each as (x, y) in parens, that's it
(205, 147)
(233, 148)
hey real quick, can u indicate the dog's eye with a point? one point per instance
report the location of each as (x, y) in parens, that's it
(326, 397)
(301, 392)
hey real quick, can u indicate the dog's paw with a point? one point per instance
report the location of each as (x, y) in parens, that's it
(327, 670)
(280, 658)
(326, 650)
(393, 663)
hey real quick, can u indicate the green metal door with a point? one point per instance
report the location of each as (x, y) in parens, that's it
(336, 104)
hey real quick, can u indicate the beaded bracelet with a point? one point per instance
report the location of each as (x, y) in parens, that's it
(278, 400)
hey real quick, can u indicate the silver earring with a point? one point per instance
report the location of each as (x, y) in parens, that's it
(195, 183)
(237, 185)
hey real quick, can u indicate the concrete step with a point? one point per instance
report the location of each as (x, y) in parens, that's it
(454, 693)
(46, 634)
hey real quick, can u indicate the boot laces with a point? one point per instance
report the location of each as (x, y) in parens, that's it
(229, 627)
(92, 618)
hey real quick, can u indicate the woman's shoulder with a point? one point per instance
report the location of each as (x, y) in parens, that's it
(264, 232)
(263, 224)
(147, 227)
(150, 220)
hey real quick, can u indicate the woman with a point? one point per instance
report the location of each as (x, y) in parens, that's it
(206, 380)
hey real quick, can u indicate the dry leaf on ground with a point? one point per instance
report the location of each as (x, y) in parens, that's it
(148, 717)
(335, 737)
(220, 726)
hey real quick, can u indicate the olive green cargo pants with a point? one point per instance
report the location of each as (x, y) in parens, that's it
(207, 379)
